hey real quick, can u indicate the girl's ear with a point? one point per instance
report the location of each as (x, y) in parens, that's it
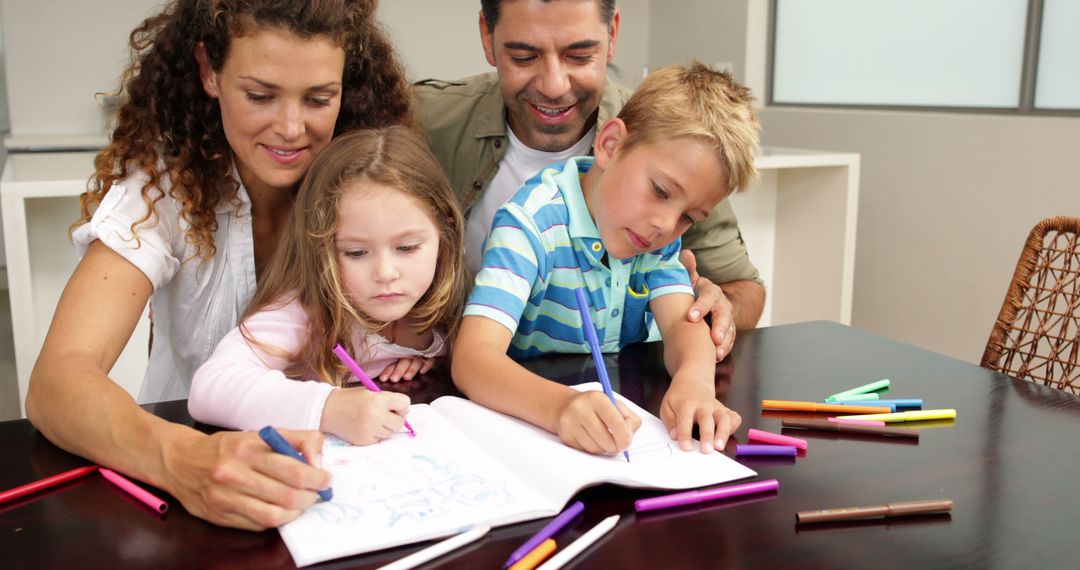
(206, 72)
(608, 140)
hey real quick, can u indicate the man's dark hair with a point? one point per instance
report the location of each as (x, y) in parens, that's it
(492, 12)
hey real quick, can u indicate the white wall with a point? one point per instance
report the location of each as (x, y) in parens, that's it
(58, 54)
(711, 31)
(443, 43)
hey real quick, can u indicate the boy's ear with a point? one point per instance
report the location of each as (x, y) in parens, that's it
(206, 73)
(487, 37)
(608, 140)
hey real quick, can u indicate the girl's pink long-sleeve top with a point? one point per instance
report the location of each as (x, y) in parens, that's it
(243, 387)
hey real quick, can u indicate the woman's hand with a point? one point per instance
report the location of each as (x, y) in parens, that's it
(235, 479)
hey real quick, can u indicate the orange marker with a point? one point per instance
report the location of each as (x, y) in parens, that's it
(818, 407)
(535, 556)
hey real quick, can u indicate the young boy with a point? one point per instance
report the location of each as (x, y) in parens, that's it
(611, 224)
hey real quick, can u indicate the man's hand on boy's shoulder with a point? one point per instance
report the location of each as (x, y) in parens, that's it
(709, 299)
(689, 402)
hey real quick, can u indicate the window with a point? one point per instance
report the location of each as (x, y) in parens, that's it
(988, 55)
(1057, 84)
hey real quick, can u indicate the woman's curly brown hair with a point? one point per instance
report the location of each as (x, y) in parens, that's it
(171, 129)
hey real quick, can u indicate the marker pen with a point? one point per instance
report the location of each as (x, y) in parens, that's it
(713, 494)
(873, 511)
(848, 428)
(911, 416)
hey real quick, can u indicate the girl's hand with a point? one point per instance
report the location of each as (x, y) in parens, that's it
(687, 403)
(590, 423)
(406, 369)
(361, 417)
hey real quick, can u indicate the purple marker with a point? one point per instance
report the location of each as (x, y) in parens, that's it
(545, 533)
(751, 449)
(693, 497)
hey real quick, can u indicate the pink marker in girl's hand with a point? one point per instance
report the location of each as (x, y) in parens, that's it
(368, 383)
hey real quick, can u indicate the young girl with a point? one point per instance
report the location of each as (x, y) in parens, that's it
(372, 259)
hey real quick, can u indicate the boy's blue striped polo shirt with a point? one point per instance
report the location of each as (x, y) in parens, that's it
(542, 246)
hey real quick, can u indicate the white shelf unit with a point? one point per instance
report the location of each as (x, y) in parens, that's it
(39, 200)
(798, 223)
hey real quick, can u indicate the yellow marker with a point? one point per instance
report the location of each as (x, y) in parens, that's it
(535, 556)
(911, 416)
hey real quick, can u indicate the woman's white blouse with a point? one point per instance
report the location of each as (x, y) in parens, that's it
(195, 301)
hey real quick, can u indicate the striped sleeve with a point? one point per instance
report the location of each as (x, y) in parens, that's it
(509, 269)
(667, 275)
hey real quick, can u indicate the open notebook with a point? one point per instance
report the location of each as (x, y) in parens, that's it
(469, 465)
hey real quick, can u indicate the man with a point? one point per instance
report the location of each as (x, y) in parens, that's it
(492, 132)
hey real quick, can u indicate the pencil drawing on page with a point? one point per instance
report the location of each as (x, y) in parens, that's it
(409, 489)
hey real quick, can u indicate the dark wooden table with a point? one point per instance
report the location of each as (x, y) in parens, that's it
(1011, 461)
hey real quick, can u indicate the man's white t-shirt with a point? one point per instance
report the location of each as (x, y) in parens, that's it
(519, 164)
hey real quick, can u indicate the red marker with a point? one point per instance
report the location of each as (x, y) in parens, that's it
(23, 490)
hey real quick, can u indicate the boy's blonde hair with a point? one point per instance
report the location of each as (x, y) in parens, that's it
(305, 263)
(696, 101)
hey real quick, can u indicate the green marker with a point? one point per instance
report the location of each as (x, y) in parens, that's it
(846, 394)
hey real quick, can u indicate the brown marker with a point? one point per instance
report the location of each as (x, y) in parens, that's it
(874, 511)
(850, 428)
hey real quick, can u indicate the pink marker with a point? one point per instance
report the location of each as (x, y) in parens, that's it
(856, 422)
(134, 490)
(777, 439)
(364, 379)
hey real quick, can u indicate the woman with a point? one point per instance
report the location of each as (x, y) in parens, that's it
(228, 103)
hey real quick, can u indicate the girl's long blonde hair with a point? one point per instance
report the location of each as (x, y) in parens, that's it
(305, 263)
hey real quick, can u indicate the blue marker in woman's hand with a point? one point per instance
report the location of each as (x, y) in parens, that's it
(278, 444)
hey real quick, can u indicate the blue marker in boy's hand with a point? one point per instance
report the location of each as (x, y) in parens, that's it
(278, 444)
(594, 347)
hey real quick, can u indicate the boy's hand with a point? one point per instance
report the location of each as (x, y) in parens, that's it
(710, 298)
(361, 416)
(406, 369)
(590, 423)
(687, 403)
